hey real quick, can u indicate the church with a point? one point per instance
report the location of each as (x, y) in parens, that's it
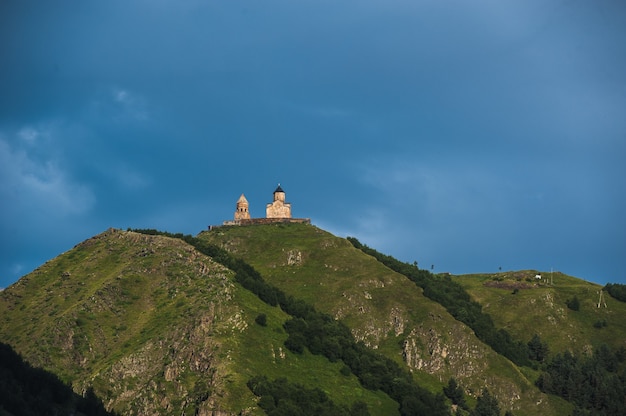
(279, 210)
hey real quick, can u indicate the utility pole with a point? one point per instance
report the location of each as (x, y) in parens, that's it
(551, 278)
(601, 300)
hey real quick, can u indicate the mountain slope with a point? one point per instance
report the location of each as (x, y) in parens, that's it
(155, 327)
(383, 309)
(120, 311)
(539, 306)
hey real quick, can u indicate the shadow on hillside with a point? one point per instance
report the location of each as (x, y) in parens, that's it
(25, 390)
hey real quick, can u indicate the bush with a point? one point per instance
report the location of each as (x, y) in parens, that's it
(261, 319)
(573, 304)
(617, 291)
(282, 397)
(600, 324)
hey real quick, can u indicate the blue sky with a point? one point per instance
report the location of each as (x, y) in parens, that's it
(462, 135)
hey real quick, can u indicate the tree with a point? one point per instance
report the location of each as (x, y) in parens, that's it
(537, 350)
(617, 291)
(455, 393)
(486, 405)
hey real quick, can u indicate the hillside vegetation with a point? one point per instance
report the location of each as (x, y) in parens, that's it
(289, 319)
(539, 306)
(154, 326)
(593, 382)
(384, 309)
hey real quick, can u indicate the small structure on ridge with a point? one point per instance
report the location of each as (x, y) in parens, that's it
(242, 211)
(276, 211)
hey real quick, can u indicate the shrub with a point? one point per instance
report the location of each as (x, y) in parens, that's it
(600, 324)
(261, 319)
(617, 291)
(573, 304)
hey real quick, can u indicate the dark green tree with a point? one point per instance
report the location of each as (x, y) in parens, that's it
(537, 350)
(594, 384)
(617, 291)
(486, 405)
(455, 393)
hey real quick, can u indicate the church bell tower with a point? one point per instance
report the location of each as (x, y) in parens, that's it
(242, 211)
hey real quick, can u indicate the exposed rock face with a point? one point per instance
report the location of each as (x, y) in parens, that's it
(455, 352)
(135, 380)
(294, 258)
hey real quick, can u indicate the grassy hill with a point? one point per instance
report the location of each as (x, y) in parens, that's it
(155, 326)
(384, 309)
(539, 306)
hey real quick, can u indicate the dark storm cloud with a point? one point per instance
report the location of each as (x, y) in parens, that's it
(466, 135)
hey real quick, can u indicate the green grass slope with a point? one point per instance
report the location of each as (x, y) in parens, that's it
(539, 306)
(155, 327)
(383, 309)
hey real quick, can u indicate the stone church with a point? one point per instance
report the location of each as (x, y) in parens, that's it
(276, 211)
(279, 208)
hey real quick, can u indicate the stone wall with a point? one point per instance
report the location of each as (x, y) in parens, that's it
(254, 221)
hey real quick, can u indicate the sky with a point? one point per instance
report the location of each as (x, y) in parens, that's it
(467, 136)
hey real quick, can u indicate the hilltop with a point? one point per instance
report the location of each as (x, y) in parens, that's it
(161, 324)
(539, 306)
